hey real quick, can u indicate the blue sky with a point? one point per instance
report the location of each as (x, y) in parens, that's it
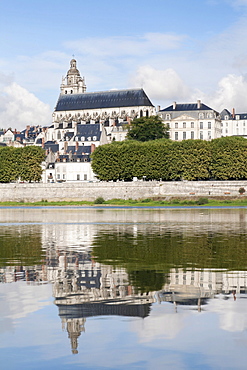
(175, 50)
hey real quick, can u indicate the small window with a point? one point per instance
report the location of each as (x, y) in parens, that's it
(184, 124)
(78, 177)
(168, 116)
(201, 135)
(65, 91)
(176, 124)
(71, 91)
(226, 118)
(184, 135)
(209, 135)
(58, 176)
(201, 125)
(85, 176)
(94, 138)
(192, 124)
(209, 125)
(82, 138)
(89, 138)
(237, 116)
(192, 135)
(176, 135)
(64, 176)
(201, 115)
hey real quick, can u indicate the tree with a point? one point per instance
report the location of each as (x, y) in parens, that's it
(147, 128)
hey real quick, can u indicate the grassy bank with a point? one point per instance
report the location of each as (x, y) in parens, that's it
(173, 202)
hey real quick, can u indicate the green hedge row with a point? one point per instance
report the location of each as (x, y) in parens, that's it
(220, 159)
(22, 164)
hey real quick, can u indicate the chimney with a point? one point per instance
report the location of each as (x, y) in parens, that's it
(128, 120)
(198, 104)
(43, 142)
(174, 105)
(65, 147)
(76, 146)
(92, 148)
(158, 108)
(233, 113)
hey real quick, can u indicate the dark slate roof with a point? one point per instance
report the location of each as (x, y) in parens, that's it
(69, 135)
(3, 144)
(104, 99)
(226, 112)
(53, 147)
(81, 149)
(88, 130)
(241, 115)
(186, 107)
(39, 141)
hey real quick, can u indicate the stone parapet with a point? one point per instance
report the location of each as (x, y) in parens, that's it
(81, 191)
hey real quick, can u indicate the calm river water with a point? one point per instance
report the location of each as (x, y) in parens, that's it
(109, 288)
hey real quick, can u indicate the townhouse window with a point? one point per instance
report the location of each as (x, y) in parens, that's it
(209, 125)
(192, 124)
(201, 115)
(176, 124)
(226, 124)
(58, 176)
(184, 124)
(209, 135)
(78, 177)
(184, 135)
(226, 131)
(168, 116)
(201, 135)
(244, 130)
(85, 176)
(64, 177)
(237, 131)
(201, 125)
(192, 135)
(176, 135)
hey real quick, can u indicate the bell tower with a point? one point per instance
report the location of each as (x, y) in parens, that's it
(73, 83)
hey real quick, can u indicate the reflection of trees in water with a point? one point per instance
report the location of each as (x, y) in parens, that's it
(149, 255)
(20, 245)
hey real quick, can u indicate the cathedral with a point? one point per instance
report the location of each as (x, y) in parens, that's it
(111, 108)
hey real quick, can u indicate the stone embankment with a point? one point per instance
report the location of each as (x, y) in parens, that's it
(80, 191)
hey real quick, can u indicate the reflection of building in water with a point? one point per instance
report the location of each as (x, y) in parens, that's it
(84, 288)
(195, 287)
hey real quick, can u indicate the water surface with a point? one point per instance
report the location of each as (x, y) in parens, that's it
(123, 288)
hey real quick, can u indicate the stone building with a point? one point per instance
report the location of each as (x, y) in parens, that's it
(191, 121)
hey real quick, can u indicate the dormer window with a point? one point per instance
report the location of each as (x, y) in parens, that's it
(226, 118)
(89, 138)
(237, 116)
(168, 116)
(201, 115)
(94, 138)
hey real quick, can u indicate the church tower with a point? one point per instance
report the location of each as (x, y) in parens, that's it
(73, 83)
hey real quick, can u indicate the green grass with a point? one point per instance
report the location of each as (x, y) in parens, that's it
(176, 202)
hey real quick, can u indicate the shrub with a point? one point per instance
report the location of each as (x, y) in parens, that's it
(241, 190)
(99, 200)
(202, 201)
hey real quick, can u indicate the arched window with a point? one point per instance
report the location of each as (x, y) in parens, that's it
(147, 113)
(141, 113)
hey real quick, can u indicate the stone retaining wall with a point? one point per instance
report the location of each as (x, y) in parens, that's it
(108, 190)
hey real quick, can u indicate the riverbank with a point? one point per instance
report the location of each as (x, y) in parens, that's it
(240, 201)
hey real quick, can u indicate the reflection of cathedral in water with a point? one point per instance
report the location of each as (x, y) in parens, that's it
(84, 288)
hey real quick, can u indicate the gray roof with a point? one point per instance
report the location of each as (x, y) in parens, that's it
(186, 107)
(104, 99)
(88, 130)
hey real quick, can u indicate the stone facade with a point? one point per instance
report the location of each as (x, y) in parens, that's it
(79, 191)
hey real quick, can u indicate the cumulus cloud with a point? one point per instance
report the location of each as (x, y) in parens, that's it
(160, 84)
(19, 107)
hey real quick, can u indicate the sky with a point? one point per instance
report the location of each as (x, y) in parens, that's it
(175, 50)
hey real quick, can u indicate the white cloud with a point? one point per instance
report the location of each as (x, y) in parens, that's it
(160, 84)
(19, 107)
(231, 93)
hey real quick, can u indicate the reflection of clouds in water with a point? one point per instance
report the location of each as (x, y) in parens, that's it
(163, 323)
(20, 301)
(232, 314)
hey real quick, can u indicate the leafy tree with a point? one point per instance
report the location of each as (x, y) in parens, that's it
(147, 128)
(23, 163)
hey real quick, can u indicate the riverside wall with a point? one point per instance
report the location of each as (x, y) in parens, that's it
(79, 191)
